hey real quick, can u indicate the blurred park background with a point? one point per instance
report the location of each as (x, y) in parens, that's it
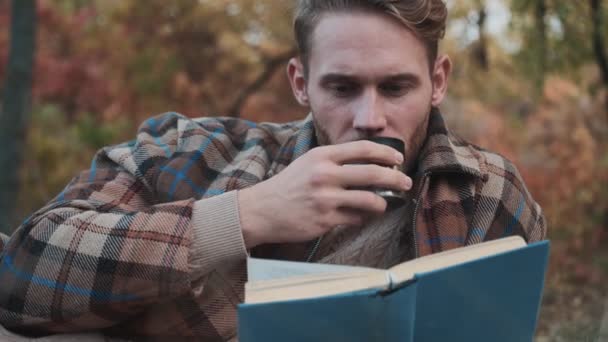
(530, 81)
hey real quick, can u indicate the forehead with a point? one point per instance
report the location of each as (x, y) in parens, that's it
(357, 42)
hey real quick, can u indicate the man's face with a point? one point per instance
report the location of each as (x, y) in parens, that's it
(368, 76)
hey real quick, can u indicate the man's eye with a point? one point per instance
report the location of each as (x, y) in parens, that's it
(343, 89)
(394, 89)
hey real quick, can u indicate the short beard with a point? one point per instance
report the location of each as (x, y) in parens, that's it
(412, 147)
(320, 133)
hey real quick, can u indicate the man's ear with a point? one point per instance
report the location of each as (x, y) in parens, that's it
(441, 73)
(297, 79)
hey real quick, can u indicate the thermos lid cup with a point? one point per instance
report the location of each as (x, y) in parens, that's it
(395, 143)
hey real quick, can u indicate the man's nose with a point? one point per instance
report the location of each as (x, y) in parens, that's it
(370, 119)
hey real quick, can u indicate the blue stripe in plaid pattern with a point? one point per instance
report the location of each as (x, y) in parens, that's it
(61, 196)
(154, 125)
(251, 124)
(442, 240)
(478, 233)
(7, 264)
(303, 144)
(516, 217)
(214, 192)
(197, 189)
(180, 175)
(93, 170)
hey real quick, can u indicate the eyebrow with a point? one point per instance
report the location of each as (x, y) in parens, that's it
(401, 77)
(404, 77)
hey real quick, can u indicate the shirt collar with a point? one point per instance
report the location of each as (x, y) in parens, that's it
(444, 152)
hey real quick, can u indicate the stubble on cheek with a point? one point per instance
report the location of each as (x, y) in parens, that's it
(321, 133)
(414, 145)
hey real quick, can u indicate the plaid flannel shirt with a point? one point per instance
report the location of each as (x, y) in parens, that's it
(146, 243)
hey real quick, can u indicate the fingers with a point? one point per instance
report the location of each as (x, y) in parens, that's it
(361, 200)
(358, 175)
(349, 217)
(345, 217)
(364, 151)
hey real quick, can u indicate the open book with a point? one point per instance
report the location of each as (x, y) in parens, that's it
(274, 280)
(486, 292)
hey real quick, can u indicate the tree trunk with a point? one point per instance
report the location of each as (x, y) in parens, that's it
(540, 13)
(481, 51)
(16, 105)
(270, 68)
(598, 44)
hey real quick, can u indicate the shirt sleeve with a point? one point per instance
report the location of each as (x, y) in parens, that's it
(539, 231)
(107, 248)
(507, 205)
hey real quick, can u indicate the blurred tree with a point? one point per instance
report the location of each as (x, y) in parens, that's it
(531, 23)
(480, 49)
(206, 57)
(270, 67)
(556, 37)
(599, 39)
(540, 15)
(16, 104)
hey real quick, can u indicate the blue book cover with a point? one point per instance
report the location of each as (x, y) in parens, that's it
(492, 297)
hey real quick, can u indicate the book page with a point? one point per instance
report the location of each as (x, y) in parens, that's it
(266, 269)
(405, 271)
(314, 286)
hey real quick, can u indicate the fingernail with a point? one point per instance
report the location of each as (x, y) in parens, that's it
(408, 183)
(399, 158)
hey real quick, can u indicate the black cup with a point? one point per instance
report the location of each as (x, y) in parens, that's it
(393, 197)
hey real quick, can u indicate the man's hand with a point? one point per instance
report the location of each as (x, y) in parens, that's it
(314, 193)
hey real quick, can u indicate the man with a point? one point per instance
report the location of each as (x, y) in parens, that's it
(151, 241)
